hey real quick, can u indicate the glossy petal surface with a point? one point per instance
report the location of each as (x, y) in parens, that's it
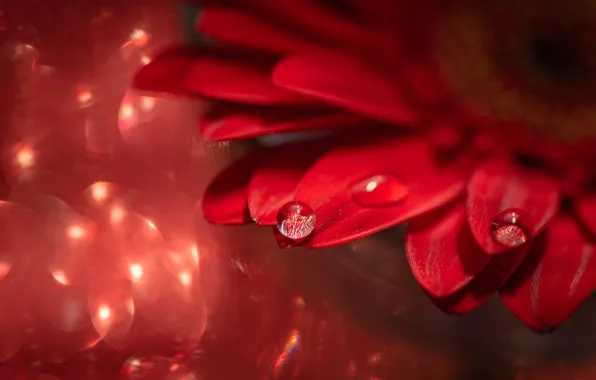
(499, 185)
(340, 219)
(325, 75)
(225, 200)
(443, 254)
(485, 284)
(274, 183)
(232, 121)
(558, 275)
(240, 77)
(166, 73)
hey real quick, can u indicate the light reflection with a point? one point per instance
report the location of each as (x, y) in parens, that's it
(112, 309)
(288, 351)
(145, 60)
(139, 37)
(100, 192)
(4, 269)
(136, 272)
(137, 41)
(127, 116)
(151, 225)
(25, 157)
(27, 55)
(84, 97)
(147, 103)
(156, 367)
(104, 313)
(76, 232)
(195, 253)
(182, 260)
(185, 278)
(299, 301)
(116, 214)
(374, 359)
(60, 277)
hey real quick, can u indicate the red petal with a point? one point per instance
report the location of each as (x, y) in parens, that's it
(241, 78)
(485, 284)
(274, 183)
(585, 207)
(443, 255)
(233, 121)
(409, 165)
(425, 82)
(499, 185)
(241, 28)
(166, 72)
(345, 82)
(225, 201)
(555, 279)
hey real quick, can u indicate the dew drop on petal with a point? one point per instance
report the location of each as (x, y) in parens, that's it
(379, 190)
(296, 220)
(511, 228)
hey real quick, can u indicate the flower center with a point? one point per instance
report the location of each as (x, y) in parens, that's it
(525, 62)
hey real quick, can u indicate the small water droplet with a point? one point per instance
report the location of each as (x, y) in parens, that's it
(511, 228)
(380, 190)
(296, 220)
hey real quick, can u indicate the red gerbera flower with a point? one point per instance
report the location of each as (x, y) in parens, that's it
(469, 120)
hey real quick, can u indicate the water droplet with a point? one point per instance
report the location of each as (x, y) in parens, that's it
(511, 229)
(380, 190)
(296, 220)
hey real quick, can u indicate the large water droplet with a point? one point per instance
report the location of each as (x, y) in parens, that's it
(511, 228)
(296, 220)
(380, 190)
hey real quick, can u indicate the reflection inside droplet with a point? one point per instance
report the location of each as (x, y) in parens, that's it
(379, 190)
(511, 228)
(296, 220)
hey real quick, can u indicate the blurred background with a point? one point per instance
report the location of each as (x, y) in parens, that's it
(108, 270)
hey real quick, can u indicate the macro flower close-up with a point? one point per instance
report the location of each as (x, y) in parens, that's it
(472, 122)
